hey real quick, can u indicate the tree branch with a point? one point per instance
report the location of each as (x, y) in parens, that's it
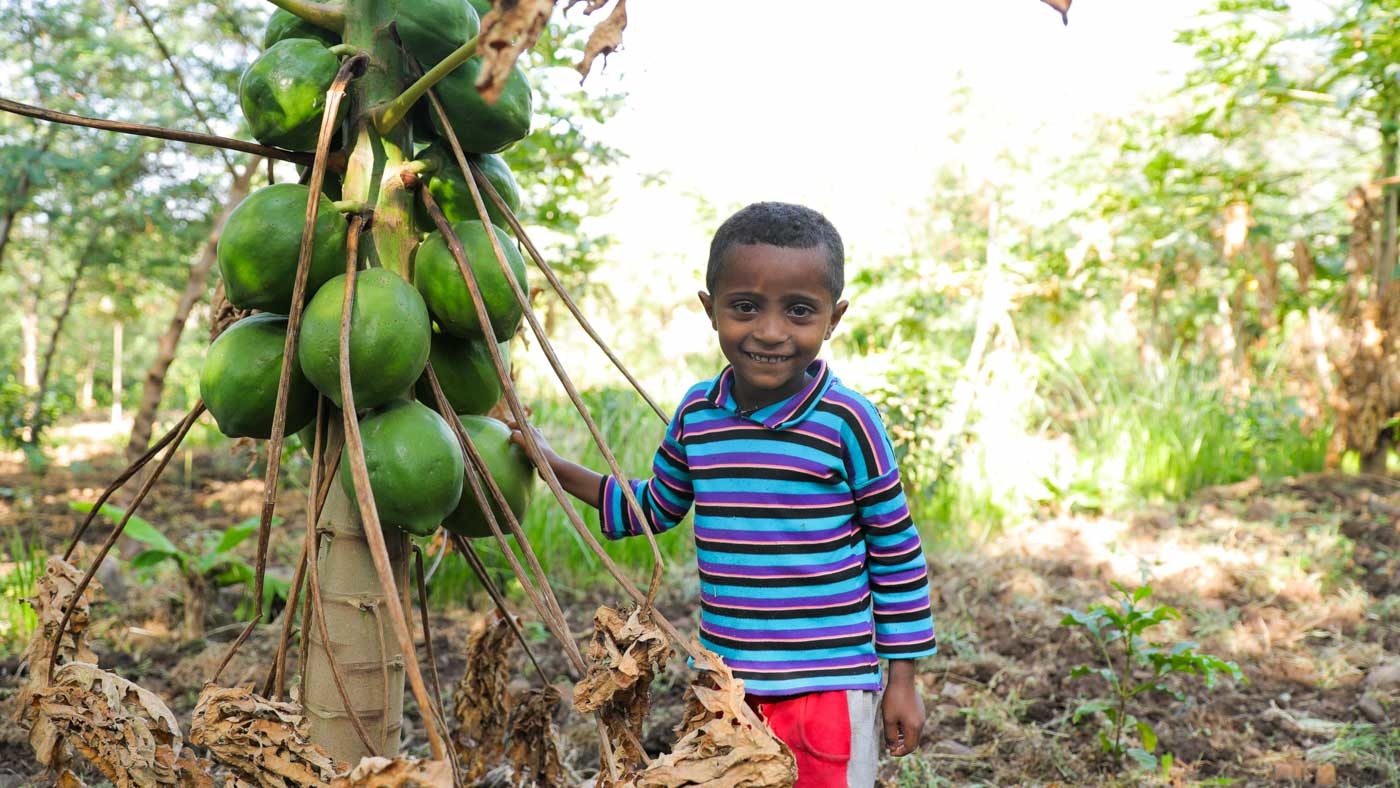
(331, 17)
(180, 80)
(158, 132)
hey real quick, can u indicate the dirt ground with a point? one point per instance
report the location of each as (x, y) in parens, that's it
(1295, 581)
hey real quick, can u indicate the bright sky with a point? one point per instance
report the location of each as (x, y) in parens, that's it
(808, 101)
(813, 102)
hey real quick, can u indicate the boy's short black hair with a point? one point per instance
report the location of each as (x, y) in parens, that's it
(784, 225)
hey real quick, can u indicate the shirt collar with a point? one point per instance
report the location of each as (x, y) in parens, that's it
(782, 414)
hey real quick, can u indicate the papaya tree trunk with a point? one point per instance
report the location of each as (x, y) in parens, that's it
(153, 387)
(36, 409)
(360, 631)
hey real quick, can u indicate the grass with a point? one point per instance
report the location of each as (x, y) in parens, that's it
(1161, 431)
(21, 566)
(1370, 747)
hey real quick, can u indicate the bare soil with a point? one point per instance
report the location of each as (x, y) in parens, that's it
(1296, 581)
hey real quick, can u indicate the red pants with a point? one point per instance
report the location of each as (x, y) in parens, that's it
(817, 727)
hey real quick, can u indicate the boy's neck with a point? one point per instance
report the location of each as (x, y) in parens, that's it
(746, 404)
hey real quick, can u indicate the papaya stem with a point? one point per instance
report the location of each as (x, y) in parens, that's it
(344, 50)
(387, 116)
(349, 206)
(158, 132)
(327, 15)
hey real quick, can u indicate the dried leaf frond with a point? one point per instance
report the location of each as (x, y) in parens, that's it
(481, 701)
(534, 741)
(511, 27)
(262, 741)
(124, 730)
(626, 652)
(606, 38)
(401, 772)
(723, 742)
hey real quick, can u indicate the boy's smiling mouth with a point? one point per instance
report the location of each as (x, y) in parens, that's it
(762, 358)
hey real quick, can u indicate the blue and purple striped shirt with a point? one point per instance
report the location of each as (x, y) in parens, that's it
(810, 565)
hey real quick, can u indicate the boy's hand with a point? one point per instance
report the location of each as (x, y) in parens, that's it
(518, 438)
(902, 709)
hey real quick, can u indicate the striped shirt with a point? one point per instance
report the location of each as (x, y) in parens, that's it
(810, 565)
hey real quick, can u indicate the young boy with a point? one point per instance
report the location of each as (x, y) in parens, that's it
(810, 566)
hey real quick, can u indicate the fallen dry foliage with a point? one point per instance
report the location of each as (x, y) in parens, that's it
(401, 772)
(125, 731)
(623, 658)
(481, 700)
(262, 741)
(507, 31)
(723, 743)
(606, 38)
(54, 592)
(534, 742)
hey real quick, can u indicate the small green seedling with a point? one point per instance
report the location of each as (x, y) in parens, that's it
(1131, 665)
(211, 563)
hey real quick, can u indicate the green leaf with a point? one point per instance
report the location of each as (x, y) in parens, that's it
(236, 534)
(136, 528)
(1166, 761)
(1141, 592)
(1089, 707)
(1143, 758)
(1147, 735)
(149, 558)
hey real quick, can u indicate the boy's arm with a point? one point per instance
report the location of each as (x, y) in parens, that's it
(664, 499)
(578, 481)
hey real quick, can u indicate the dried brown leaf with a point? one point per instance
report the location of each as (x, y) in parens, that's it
(626, 652)
(401, 772)
(53, 593)
(1060, 5)
(510, 28)
(262, 741)
(606, 38)
(127, 732)
(534, 742)
(590, 7)
(481, 701)
(723, 742)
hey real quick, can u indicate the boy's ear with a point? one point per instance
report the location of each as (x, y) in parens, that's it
(837, 312)
(709, 304)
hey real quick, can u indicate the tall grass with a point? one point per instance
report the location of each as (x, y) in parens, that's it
(21, 565)
(633, 433)
(1161, 431)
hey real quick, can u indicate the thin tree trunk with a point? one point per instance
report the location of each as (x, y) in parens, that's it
(29, 345)
(36, 415)
(1385, 264)
(85, 401)
(20, 195)
(116, 371)
(154, 385)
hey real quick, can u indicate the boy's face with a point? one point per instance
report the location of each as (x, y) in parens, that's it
(772, 310)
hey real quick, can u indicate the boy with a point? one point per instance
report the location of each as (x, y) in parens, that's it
(810, 566)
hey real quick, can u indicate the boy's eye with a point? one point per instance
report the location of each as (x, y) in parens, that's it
(801, 310)
(744, 307)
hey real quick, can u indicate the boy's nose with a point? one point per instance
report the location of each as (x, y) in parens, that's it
(770, 331)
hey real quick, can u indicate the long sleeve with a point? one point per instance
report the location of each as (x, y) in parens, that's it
(896, 567)
(665, 498)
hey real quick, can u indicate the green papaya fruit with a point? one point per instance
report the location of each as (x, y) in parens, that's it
(483, 127)
(465, 373)
(389, 338)
(508, 465)
(257, 251)
(284, 24)
(431, 29)
(415, 465)
(283, 92)
(449, 187)
(239, 379)
(438, 279)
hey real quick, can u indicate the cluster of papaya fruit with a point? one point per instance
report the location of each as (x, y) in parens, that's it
(415, 462)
